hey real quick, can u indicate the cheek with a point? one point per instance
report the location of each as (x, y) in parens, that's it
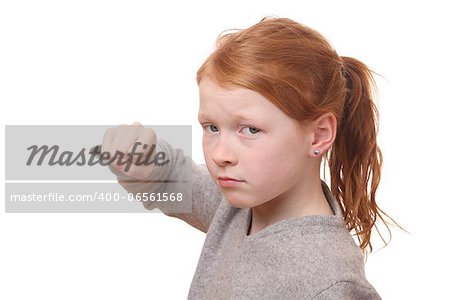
(206, 150)
(276, 165)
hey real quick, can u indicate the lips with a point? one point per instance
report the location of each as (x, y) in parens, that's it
(229, 182)
(229, 178)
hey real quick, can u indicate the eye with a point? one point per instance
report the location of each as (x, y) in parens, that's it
(252, 130)
(212, 127)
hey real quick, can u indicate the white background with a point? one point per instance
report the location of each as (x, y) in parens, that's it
(116, 62)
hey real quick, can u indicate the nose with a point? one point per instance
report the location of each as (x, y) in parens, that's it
(224, 151)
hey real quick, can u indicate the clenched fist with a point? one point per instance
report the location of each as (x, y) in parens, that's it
(132, 151)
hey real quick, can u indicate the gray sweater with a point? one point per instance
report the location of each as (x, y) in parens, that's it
(310, 257)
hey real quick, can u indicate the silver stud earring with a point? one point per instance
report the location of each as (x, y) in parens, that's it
(316, 152)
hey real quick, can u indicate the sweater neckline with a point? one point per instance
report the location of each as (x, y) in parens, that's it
(304, 221)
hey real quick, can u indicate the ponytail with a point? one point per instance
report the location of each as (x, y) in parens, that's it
(355, 158)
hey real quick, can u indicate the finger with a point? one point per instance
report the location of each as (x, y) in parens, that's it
(137, 173)
(124, 137)
(143, 149)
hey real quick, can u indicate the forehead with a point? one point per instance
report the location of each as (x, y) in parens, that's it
(236, 100)
(210, 89)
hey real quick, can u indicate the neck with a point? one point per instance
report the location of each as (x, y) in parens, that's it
(306, 199)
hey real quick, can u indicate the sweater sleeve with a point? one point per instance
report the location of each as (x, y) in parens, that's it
(347, 290)
(183, 175)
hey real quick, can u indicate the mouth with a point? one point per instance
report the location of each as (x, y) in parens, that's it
(228, 182)
(224, 178)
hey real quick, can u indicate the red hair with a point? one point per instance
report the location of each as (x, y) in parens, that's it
(297, 69)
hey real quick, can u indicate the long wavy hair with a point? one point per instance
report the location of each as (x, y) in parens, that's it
(297, 69)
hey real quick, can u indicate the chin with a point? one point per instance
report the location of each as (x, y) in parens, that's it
(238, 203)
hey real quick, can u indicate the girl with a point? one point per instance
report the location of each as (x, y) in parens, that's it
(274, 100)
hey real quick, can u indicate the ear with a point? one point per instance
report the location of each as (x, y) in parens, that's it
(323, 133)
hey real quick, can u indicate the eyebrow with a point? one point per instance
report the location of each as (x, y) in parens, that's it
(237, 116)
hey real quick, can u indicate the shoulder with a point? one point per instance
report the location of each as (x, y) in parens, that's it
(347, 290)
(319, 239)
(336, 265)
(327, 257)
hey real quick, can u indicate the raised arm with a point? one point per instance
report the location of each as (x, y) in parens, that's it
(180, 175)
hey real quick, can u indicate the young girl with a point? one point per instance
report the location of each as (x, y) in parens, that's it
(274, 100)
